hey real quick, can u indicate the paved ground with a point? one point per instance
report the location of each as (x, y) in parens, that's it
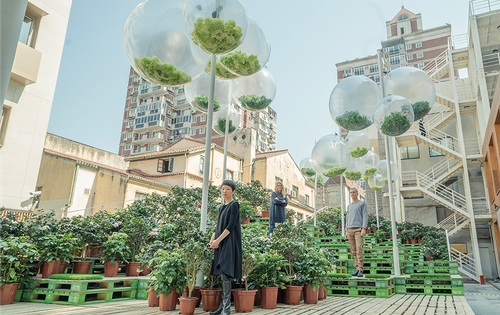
(483, 299)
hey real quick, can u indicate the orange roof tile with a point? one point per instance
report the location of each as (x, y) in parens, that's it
(403, 11)
(265, 155)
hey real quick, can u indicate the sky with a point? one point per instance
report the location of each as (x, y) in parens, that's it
(307, 38)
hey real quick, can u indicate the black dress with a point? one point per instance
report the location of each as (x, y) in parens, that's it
(228, 257)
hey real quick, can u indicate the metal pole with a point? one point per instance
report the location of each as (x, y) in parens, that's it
(315, 187)
(342, 204)
(226, 135)
(395, 249)
(208, 145)
(376, 208)
(448, 245)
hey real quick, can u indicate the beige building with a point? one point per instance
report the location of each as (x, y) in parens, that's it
(28, 100)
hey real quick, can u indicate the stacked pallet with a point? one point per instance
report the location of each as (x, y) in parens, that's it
(430, 284)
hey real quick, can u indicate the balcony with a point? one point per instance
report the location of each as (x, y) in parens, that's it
(271, 139)
(151, 126)
(152, 91)
(26, 65)
(142, 150)
(149, 138)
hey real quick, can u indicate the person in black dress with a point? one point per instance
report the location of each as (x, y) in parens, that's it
(277, 207)
(226, 241)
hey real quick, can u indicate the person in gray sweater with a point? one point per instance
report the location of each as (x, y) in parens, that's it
(357, 219)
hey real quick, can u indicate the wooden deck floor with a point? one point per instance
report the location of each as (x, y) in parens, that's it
(397, 304)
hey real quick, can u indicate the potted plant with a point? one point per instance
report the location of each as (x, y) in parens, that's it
(193, 251)
(161, 73)
(380, 235)
(211, 293)
(312, 271)
(201, 101)
(244, 299)
(115, 251)
(228, 35)
(269, 275)
(254, 102)
(246, 211)
(169, 274)
(137, 229)
(353, 120)
(53, 248)
(86, 232)
(16, 254)
(240, 63)
(395, 124)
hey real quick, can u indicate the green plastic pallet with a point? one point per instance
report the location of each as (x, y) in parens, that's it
(80, 285)
(361, 292)
(430, 290)
(78, 297)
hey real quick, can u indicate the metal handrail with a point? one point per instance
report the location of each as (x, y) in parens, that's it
(435, 64)
(483, 6)
(459, 41)
(466, 263)
(445, 166)
(451, 221)
(452, 142)
(472, 146)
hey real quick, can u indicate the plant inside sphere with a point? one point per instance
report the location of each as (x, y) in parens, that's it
(202, 101)
(319, 180)
(353, 175)
(220, 71)
(221, 125)
(254, 103)
(335, 171)
(359, 152)
(370, 171)
(161, 73)
(420, 109)
(241, 63)
(216, 36)
(386, 180)
(308, 171)
(395, 124)
(353, 121)
(376, 187)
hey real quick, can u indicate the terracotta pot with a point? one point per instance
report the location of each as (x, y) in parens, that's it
(310, 295)
(419, 241)
(281, 295)
(243, 300)
(51, 268)
(339, 226)
(145, 270)
(320, 293)
(427, 258)
(132, 267)
(265, 214)
(245, 220)
(196, 293)
(62, 267)
(325, 291)
(8, 292)
(153, 300)
(110, 270)
(413, 241)
(293, 294)
(81, 267)
(95, 252)
(188, 305)
(258, 298)
(211, 299)
(169, 302)
(269, 297)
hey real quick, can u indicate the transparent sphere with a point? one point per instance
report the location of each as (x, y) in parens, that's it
(393, 115)
(306, 167)
(376, 182)
(414, 85)
(220, 118)
(320, 179)
(197, 93)
(252, 55)
(355, 169)
(256, 92)
(157, 47)
(352, 100)
(371, 160)
(220, 71)
(216, 29)
(330, 156)
(357, 143)
(382, 171)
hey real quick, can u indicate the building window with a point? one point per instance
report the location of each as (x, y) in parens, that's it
(402, 30)
(165, 165)
(130, 135)
(300, 216)
(195, 119)
(26, 30)
(202, 163)
(180, 102)
(408, 46)
(229, 174)
(421, 65)
(202, 130)
(373, 68)
(409, 57)
(140, 196)
(127, 147)
(277, 180)
(307, 199)
(446, 142)
(180, 90)
(203, 118)
(295, 191)
(409, 153)
(420, 55)
(4, 121)
(418, 45)
(193, 132)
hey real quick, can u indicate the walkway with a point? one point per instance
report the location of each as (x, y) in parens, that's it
(483, 299)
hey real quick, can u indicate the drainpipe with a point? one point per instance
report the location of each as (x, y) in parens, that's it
(68, 205)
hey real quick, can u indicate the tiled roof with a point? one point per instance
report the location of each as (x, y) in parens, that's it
(163, 153)
(411, 15)
(265, 155)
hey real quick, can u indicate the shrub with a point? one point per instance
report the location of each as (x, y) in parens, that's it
(254, 102)
(220, 126)
(395, 124)
(201, 101)
(420, 109)
(355, 175)
(241, 63)
(359, 152)
(335, 171)
(161, 73)
(353, 121)
(216, 36)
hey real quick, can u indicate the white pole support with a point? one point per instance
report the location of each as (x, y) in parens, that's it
(315, 188)
(226, 136)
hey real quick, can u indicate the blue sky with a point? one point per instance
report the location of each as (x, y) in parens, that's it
(307, 40)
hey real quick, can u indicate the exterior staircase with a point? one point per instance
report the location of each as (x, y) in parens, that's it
(466, 263)
(453, 223)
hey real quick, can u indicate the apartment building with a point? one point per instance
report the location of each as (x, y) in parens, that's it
(156, 116)
(29, 95)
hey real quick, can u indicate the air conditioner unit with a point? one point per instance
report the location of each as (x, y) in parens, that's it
(131, 94)
(294, 194)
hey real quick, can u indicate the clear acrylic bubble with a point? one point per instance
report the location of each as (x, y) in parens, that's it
(330, 156)
(357, 143)
(382, 171)
(376, 182)
(217, 26)
(220, 118)
(252, 55)
(355, 169)
(255, 92)
(393, 115)
(371, 160)
(351, 102)
(220, 71)
(157, 47)
(197, 93)
(413, 84)
(306, 167)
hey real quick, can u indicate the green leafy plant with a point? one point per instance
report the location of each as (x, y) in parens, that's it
(241, 63)
(168, 272)
(319, 180)
(116, 248)
(192, 254)
(71, 276)
(246, 209)
(420, 109)
(327, 219)
(220, 71)
(16, 254)
(366, 177)
(354, 175)
(254, 102)
(137, 229)
(86, 232)
(58, 247)
(269, 272)
(335, 171)
(353, 121)
(370, 171)
(386, 180)
(376, 187)
(161, 73)
(359, 152)
(216, 36)
(221, 125)
(201, 101)
(249, 259)
(308, 171)
(312, 269)
(11, 225)
(395, 124)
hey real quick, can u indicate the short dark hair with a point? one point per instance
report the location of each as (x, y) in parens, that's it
(229, 183)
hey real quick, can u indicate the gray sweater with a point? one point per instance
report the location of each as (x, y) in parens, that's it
(357, 215)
